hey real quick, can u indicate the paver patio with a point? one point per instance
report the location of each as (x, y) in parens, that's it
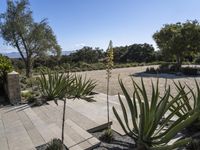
(25, 128)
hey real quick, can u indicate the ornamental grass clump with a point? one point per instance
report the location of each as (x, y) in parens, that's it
(143, 118)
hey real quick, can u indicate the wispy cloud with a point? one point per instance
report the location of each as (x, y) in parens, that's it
(80, 45)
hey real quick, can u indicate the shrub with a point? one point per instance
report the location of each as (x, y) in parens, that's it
(146, 117)
(151, 70)
(189, 71)
(107, 136)
(54, 85)
(197, 59)
(55, 144)
(5, 67)
(26, 94)
(167, 68)
(29, 96)
(82, 87)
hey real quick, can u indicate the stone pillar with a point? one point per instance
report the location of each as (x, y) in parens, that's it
(13, 88)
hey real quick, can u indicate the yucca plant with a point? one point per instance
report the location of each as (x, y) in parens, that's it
(82, 87)
(190, 99)
(144, 119)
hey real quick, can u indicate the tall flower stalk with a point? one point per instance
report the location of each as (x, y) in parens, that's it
(109, 67)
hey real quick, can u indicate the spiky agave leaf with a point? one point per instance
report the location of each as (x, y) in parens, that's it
(147, 112)
(53, 85)
(82, 87)
(190, 99)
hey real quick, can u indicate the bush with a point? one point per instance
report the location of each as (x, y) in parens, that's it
(197, 59)
(151, 70)
(5, 67)
(55, 144)
(107, 136)
(54, 85)
(29, 96)
(147, 118)
(189, 71)
(167, 68)
(82, 87)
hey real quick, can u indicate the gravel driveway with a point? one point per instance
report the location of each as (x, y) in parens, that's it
(135, 72)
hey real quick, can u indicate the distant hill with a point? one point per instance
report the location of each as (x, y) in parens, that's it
(17, 55)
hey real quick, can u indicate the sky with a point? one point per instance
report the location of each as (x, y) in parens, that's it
(78, 23)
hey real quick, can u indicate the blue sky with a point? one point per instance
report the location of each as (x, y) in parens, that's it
(78, 23)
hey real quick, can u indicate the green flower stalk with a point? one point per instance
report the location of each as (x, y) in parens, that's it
(109, 67)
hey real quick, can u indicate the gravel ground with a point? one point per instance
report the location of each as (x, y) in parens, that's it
(119, 142)
(136, 72)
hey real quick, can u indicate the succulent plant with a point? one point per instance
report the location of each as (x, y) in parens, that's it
(146, 122)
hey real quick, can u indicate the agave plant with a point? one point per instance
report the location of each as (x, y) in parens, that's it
(144, 121)
(54, 85)
(190, 99)
(82, 87)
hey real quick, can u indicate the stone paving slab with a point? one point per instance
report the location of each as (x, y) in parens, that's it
(16, 135)
(4, 143)
(83, 121)
(31, 129)
(24, 128)
(75, 134)
(97, 111)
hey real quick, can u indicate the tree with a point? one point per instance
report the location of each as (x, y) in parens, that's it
(118, 53)
(179, 40)
(87, 54)
(30, 38)
(138, 53)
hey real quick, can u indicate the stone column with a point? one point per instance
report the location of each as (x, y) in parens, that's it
(13, 88)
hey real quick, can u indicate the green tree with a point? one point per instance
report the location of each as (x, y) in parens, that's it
(179, 40)
(30, 38)
(118, 53)
(139, 53)
(87, 54)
